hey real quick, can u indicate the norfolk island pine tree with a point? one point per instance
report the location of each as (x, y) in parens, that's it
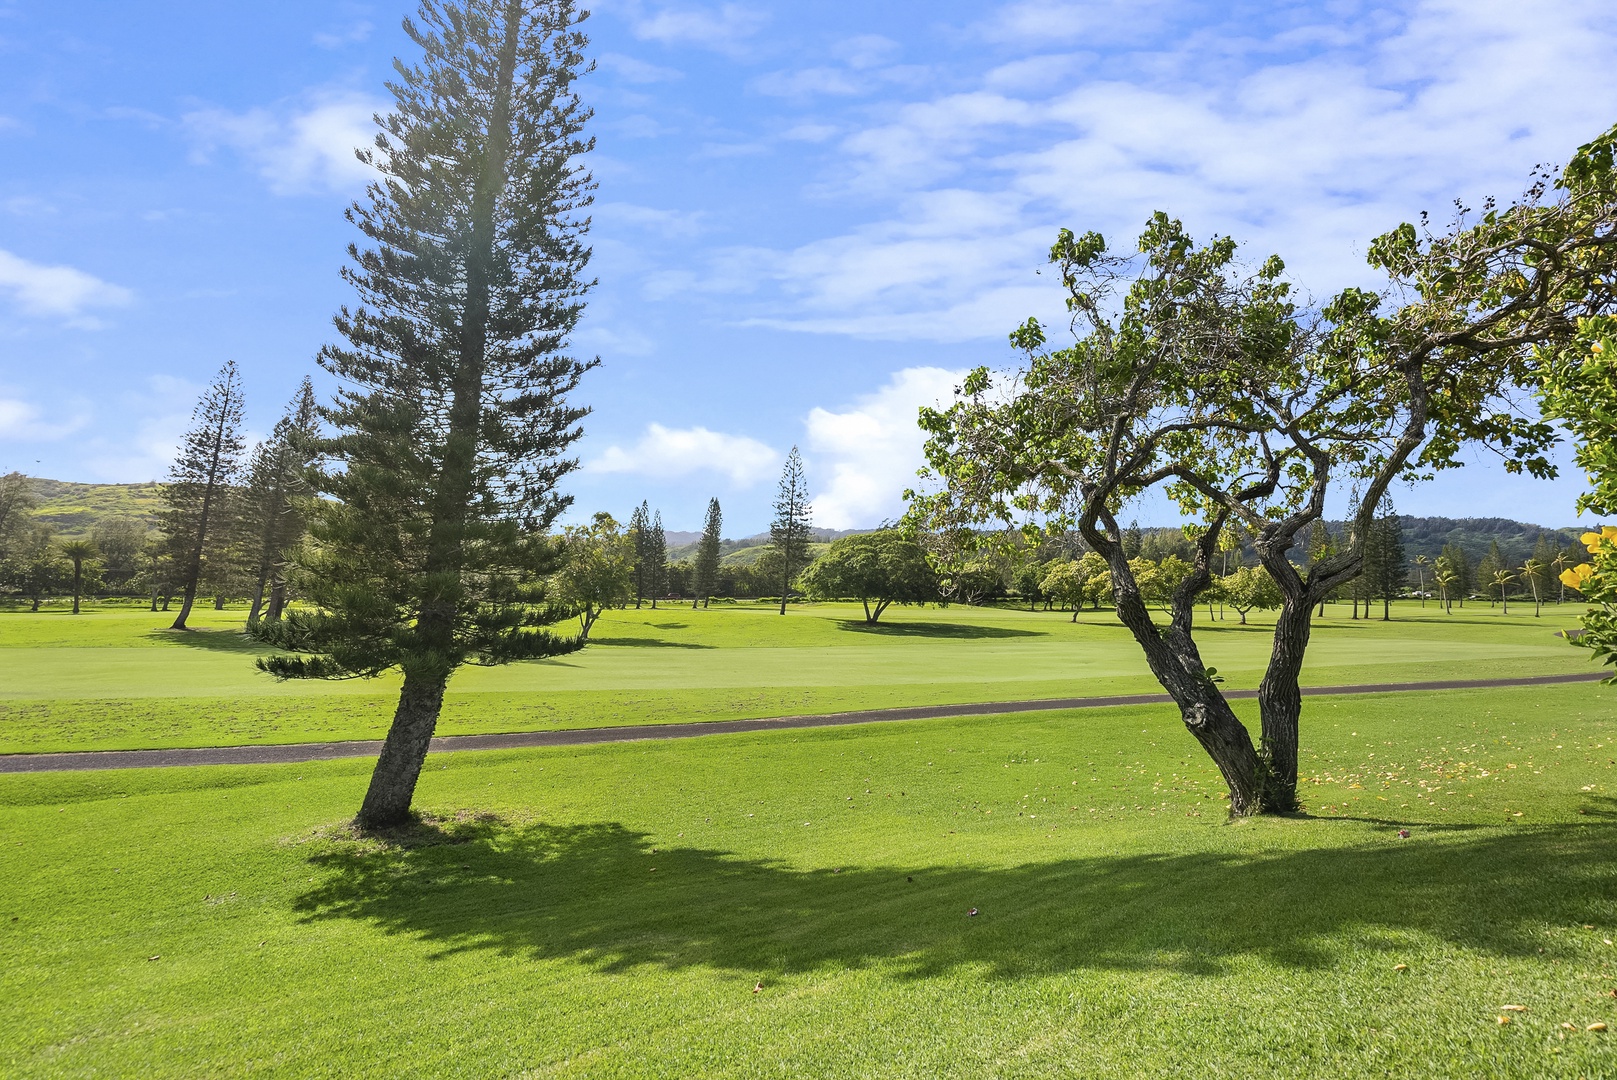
(789, 531)
(199, 481)
(707, 555)
(452, 421)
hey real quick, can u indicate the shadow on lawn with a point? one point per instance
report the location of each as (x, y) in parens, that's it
(210, 640)
(589, 893)
(649, 643)
(937, 630)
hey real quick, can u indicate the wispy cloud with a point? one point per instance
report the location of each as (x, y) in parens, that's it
(633, 70)
(352, 34)
(296, 146)
(36, 289)
(666, 453)
(724, 29)
(1305, 136)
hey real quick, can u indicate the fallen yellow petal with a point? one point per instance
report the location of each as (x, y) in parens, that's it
(1596, 1026)
(1513, 1008)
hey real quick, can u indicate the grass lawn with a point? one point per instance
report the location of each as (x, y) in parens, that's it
(114, 678)
(608, 911)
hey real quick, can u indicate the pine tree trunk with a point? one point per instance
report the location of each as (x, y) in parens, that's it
(387, 800)
(277, 599)
(258, 597)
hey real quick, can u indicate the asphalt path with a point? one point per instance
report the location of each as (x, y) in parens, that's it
(292, 753)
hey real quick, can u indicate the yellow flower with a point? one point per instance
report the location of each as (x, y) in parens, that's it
(1578, 575)
(1590, 540)
(1609, 531)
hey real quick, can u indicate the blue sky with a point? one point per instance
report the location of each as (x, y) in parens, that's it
(811, 216)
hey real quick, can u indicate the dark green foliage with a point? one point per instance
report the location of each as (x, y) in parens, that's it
(452, 421)
(199, 485)
(877, 569)
(640, 540)
(275, 502)
(705, 570)
(792, 528)
(656, 559)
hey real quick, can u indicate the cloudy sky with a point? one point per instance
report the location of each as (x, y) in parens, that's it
(811, 216)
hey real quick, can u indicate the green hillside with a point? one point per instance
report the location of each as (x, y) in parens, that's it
(74, 509)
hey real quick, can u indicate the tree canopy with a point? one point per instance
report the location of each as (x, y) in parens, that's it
(878, 569)
(1191, 373)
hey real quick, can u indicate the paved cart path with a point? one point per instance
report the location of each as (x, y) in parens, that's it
(291, 753)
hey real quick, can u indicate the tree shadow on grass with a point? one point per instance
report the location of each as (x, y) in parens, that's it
(599, 894)
(649, 643)
(936, 630)
(210, 640)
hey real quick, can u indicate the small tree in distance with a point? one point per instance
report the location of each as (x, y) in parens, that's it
(597, 570)
(790, 531)
(1249, 587)
(640, 541)
(79, 553)
(878, 569)
(199, 481)
(656, 559)
(707, 555)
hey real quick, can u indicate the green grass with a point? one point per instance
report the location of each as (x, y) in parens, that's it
(115, 678)
(607, 911)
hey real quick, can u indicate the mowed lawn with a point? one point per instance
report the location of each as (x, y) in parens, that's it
(796, 904)
(115, 678)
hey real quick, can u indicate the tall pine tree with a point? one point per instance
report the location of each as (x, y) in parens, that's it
(789, 533)
(200, 480)
(452, 422)
(707, 555)
(656, 559)
(277, 487)
(640, 539)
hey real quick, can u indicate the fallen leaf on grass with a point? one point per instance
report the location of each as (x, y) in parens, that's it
(1596, 1026)
(758, 988)
(1502, 1020)
(149, 958)
(972, 911)
(1400, 967)
(1513, 1008)
(1570, 1027)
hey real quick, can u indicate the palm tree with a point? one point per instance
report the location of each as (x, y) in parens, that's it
(1445, 576)
(1503, 578)
(1532, 570)
(1560, 563)
(79, 551)
(1421, 563)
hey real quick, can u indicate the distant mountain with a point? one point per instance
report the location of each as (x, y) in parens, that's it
(743, 550)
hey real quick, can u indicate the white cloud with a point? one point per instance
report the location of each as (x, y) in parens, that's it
(1307, 140)
(723, 29)
(296, 148)
(22, 420)
(59, 291)
(870, 451)
(671, 452)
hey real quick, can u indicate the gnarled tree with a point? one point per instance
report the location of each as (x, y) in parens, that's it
(1189, 375)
